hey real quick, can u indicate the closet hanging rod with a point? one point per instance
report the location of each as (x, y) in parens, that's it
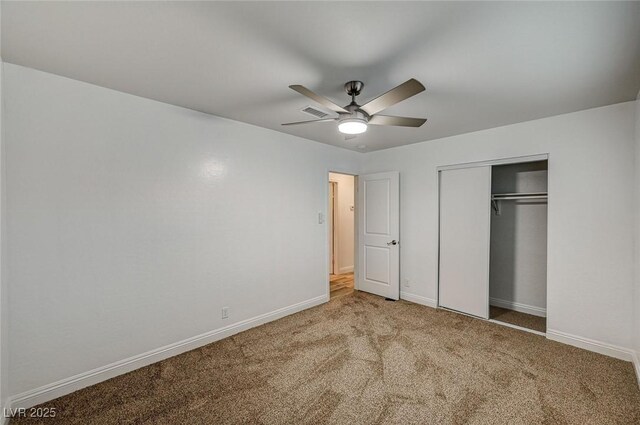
(506, 198)
(519, 194)
(496, 197)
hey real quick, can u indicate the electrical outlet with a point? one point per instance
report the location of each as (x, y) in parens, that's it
(225, 312)
(407, 283)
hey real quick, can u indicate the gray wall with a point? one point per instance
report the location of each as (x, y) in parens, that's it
(637, 247)
(131, 223)
(518, 271)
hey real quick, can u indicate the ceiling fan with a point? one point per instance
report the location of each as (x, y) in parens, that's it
(354, 119)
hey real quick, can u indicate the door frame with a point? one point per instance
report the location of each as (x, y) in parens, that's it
(491, 162)
(328, 230)
(333, 228)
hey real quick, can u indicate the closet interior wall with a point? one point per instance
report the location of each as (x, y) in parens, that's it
(518, 253)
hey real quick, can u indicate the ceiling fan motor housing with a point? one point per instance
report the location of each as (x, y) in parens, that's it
(354, 114)
(354, 122)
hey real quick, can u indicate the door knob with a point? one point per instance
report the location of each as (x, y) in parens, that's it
(393, 242)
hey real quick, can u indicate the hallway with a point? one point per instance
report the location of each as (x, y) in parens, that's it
(341, 284)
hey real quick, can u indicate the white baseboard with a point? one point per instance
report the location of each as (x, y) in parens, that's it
(3, 419)
(68, 385)
(522, 308)
(418, 299)
(343, 270)
(591, 345)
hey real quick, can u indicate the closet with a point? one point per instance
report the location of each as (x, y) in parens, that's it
(493, 241)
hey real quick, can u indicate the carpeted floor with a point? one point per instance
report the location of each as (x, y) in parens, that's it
(362, 360)
(528, 321)
(340, 284)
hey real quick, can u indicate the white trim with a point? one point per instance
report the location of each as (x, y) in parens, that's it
(591, 345)
(461, 312)
(68, 385)
(487, 294)
(4, 420)
(500, 161)
(331, 227)
(418, 299)
(347, 269)
(522, 308)
(520, 328)
(636, 365)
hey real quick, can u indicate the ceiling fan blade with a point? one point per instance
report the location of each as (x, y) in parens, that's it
(350, 136)
(320, 99)
(403, 91)
(309, 122)
(398, 121)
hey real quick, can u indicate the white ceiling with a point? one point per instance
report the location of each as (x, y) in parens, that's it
(484, 64)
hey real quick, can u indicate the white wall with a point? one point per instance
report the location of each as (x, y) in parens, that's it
(345, 220)
(4, 310)
(590, 212)
(4, 323)
(518, 270)
(131, 223)
(637, 246)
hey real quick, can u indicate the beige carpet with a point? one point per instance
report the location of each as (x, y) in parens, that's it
(362, 360)
(528, 321)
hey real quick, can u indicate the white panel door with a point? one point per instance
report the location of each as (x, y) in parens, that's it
(465, 220)
(379, 234)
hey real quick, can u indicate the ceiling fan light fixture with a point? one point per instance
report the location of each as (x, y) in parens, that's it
(352, 126)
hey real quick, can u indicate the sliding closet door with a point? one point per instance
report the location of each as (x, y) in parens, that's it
(465, 219)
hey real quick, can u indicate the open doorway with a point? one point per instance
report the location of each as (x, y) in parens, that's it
(341, 221)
